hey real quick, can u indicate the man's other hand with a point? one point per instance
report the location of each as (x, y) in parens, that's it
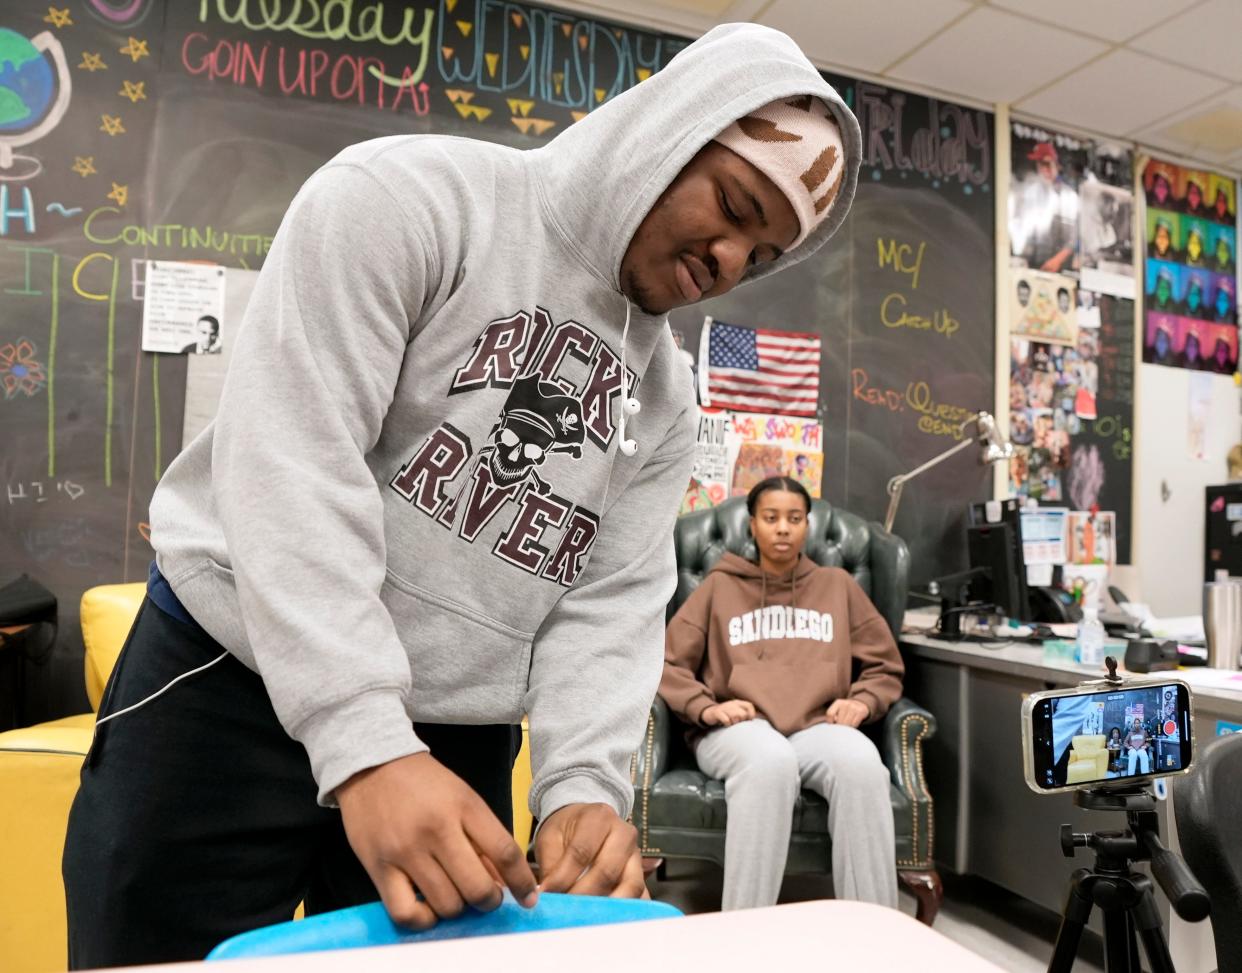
(414, 824)
(585, 849)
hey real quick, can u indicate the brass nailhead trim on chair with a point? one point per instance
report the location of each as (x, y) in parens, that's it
(650, 743)
(914, 805)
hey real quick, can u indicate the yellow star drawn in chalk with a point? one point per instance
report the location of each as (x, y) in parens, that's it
(135, 49)
(84, 165)
(92, 62)
(58, 18)
(134, 91)
(111, 124)
(119, 193)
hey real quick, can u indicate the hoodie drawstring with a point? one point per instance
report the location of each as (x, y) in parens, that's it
(763, 595)
(629, 404)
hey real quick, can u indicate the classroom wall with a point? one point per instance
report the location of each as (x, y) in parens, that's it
(1169, 483)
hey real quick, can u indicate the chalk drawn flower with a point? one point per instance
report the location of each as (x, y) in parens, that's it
(19, 372)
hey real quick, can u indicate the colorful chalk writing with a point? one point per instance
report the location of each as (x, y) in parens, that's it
(38, 491)
(935, 418)
(957, 145)
(314, 73)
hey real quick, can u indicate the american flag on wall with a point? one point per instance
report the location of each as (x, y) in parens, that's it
(757, 370)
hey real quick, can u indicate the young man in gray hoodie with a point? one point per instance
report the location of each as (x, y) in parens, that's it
(429, 505)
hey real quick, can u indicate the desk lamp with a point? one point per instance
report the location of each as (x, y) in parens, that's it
(993, 448)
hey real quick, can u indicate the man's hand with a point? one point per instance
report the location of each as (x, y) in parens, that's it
(415, 824)
(727, 713)
(848, 712)
(585, 849)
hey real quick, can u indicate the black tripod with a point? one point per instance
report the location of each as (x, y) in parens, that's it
(1122, 893)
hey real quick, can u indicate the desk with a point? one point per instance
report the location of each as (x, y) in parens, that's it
(801, 936)
(988, 822)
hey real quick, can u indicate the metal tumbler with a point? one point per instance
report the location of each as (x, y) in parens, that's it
(1222, 622)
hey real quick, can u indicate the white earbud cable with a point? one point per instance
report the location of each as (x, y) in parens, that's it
(161, 692)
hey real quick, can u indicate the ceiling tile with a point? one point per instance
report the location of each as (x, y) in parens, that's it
(691, 17)
(1206, 38)
(990, 55)
(1114, 20)
(836, 32)
(1121, 93)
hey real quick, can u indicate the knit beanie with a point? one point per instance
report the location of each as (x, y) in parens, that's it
(796, 143)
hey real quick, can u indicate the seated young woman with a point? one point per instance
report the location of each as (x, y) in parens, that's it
(775, 665)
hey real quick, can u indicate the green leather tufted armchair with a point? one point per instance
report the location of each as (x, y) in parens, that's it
(680, 813)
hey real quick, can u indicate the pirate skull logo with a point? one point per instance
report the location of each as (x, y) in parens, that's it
(538, 420)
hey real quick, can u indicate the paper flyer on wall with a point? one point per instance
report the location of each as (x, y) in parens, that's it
(183, 308)
(1190, 270)
(735, 450)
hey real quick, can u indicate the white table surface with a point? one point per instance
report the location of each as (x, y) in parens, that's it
(795, 938)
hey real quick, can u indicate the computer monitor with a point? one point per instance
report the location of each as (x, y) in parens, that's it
(999, 572)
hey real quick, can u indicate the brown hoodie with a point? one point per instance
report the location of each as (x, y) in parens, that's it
(790, 645)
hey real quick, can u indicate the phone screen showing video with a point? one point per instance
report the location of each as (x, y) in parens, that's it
(1135, 732)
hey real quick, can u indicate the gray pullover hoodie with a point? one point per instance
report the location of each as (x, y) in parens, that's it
(412, 504)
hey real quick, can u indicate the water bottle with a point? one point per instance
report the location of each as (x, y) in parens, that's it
(1090, 644)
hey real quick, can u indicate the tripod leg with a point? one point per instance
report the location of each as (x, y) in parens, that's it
(1120, 949)
(1073, 919)
(1147, 919)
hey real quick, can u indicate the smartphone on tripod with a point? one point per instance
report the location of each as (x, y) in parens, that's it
(1095, 735)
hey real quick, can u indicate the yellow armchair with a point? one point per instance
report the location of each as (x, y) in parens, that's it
(1088, 759)
(39, 769)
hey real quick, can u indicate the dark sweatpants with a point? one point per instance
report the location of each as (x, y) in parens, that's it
(196, 819)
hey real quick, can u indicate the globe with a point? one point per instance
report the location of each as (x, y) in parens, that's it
(27, 83)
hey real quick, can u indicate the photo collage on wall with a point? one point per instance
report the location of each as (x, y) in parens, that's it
(1071, 291)
(1190, 278)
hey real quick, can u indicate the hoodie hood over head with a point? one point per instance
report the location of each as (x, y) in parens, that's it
(636, 144)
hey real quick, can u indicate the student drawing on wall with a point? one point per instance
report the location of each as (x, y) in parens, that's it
(207, 337)
(1160, 192)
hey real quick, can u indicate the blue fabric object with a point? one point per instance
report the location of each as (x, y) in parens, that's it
(369, 925)
(166, 600)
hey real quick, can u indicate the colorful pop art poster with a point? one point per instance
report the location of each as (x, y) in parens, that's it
(1190, 271)
(736, 450)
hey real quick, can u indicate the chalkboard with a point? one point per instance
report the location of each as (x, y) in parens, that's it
(903, 299)
(144, 129)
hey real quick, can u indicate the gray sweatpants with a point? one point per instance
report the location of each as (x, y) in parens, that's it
(763, 772)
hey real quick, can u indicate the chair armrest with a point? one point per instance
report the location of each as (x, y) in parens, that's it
(905, 727)
(650, 763)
